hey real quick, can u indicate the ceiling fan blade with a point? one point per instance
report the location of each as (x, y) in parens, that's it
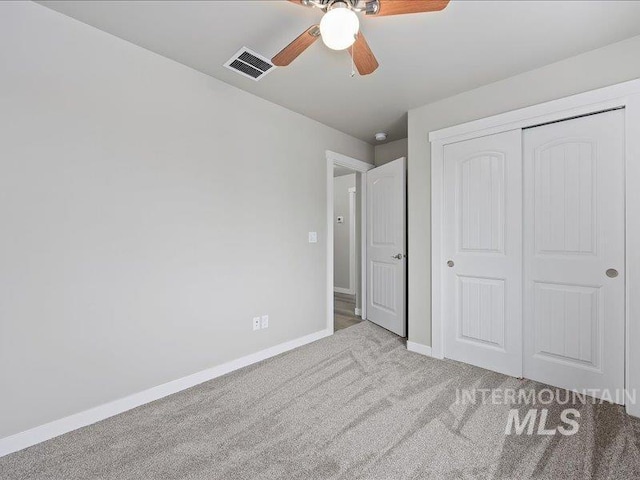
(289, 53)
(363, 57)
(400, 7)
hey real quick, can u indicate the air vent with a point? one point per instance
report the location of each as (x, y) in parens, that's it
(250, 64)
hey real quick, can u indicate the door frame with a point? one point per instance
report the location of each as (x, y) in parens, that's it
(358, 166)
(352, 240)
(624, 95)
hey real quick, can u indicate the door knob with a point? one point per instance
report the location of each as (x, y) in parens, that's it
(450, 263)
(398, 256)
(612, 273)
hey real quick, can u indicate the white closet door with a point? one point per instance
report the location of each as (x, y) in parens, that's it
(574, 252)
(483, 252)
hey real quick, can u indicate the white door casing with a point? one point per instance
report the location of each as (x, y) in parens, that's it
(353, 275)
(386, 246)
(482, 248)
(574, 209)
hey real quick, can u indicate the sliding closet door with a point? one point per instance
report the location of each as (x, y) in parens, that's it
(483, 252)
(574, 252)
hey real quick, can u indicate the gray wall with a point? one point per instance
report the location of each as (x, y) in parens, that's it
(606, 66)
(341, 240)
(391, 151)
(148, 213)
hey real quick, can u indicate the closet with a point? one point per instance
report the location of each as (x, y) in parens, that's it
(533, 251)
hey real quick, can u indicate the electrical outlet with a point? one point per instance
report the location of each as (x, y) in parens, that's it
(256, 323)
(265, 321)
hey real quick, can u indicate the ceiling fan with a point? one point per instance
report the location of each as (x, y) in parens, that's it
(340, 27)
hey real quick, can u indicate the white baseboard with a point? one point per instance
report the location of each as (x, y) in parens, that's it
(346, 291)
(358, 312)
(419, 348)
(632, 408)
(53, 429)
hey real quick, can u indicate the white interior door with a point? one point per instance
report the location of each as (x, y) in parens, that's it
(482, 244)
(386, 246)
(574, 252)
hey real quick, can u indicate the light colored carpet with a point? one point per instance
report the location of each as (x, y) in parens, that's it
(356, 405)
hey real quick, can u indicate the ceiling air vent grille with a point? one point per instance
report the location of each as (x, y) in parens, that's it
(250, 64)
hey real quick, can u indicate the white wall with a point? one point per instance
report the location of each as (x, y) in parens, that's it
(341, 232)
(148, 213)
(391, 151)
(606, 66)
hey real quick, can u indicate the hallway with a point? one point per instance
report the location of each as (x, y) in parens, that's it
(344, 311)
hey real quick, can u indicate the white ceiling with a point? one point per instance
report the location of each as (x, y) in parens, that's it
(423, 57)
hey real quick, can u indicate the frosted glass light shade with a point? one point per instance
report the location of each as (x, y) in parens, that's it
(339, 28)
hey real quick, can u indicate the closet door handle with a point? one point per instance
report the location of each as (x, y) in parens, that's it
(450, 263)
(612, 273)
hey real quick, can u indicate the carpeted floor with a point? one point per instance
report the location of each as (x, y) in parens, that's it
(356, 405)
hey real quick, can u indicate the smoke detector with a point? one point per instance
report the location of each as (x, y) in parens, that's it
(381, 137)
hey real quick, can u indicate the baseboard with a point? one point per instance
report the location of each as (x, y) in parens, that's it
(53, 429)
(419, 348)
(345, 291)
(358, 312)
(632, 409)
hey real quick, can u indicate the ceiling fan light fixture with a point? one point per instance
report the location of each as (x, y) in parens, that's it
(339, 26)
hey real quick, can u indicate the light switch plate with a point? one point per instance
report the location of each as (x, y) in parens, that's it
(340, 219)
(313, 237)
(265, 321)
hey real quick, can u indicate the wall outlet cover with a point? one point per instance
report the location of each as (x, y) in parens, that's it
(256, 323)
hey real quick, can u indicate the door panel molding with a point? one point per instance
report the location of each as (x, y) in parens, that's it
(485, 324)
(482, 227)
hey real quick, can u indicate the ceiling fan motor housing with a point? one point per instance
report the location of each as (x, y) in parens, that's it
(372, 7)
(369, 7)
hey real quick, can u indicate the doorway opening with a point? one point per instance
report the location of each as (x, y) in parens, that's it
(346, 248)
(375, 290)
(346, 289)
